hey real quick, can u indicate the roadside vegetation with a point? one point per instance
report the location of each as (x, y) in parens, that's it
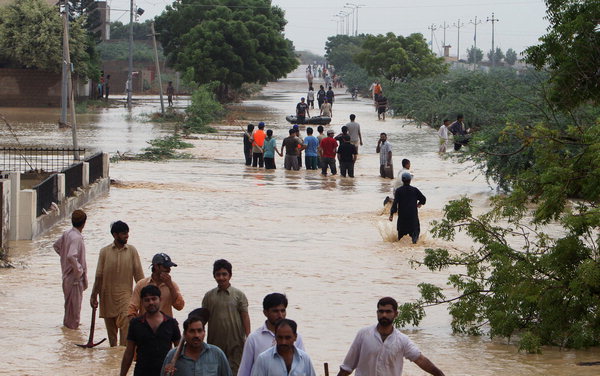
(532, 275)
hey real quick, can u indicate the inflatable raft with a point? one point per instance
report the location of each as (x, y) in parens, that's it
(316, 120)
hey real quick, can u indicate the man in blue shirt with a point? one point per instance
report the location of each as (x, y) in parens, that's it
(284, 359)
(310, 153)
(196, 357)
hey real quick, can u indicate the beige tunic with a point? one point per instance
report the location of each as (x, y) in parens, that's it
(225, 326)
(116, 270)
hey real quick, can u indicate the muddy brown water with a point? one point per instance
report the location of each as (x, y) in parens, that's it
(321, 241)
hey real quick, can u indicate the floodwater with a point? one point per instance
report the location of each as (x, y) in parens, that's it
(320, 240)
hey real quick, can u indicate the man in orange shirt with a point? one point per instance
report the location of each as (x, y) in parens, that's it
(170, 296)
(257, 146)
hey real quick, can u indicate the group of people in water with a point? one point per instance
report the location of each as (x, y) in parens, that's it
(141, 319)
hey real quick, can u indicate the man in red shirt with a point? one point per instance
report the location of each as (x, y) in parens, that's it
(328, 148)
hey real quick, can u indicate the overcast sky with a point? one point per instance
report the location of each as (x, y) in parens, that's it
(310, 22)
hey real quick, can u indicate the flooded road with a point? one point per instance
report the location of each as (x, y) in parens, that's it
(318, 240)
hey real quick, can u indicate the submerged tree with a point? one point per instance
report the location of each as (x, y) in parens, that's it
(230, 41)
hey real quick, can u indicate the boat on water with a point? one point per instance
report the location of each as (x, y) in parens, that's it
(316, 120)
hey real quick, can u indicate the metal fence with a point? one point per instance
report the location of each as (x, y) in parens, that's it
(96, 166)
(73, 178)
(36, 159)
(47, 193)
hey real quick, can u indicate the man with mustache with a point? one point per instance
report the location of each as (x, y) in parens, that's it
(150, 336)
(380, 349)
(284, 358)
(197, 357)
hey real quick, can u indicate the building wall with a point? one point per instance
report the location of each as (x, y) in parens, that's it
(29, 88)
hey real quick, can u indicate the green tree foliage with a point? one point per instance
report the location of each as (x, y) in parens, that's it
(31, 37)
(474, 55)
(340, 50)
(230, 41)
(88, 9)
(141, 31)
(497, 56)
(570, 51)
(533, 272)
(119, 50)
(511, 57)
(398, 57)
(204, 109)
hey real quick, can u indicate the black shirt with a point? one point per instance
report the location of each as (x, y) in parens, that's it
(330, 96)
(151, 347)
(301, 108)
(346, 150)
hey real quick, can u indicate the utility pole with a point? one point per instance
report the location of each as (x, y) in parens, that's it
(70, 84)
(432, 28)
(458, 25)
(475, 22)
(493, 21)
(351, 10)
(65, 71)
(130, 68)
(445, 27)
(162, 103)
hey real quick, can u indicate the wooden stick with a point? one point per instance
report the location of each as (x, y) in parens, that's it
(170, 368)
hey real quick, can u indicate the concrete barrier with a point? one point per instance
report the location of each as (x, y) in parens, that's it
(20, 210)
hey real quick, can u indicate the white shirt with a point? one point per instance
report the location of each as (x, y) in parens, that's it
(257, 342)
(310, 96)
(370, 356)
(398, 181)
(270, 363)
(384, 149)
(443, 132)
(353, 129)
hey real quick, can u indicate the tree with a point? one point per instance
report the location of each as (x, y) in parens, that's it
(534, 269)
(31, 37)
(495, 57)
(511, 57)
(571, 51)
(230, 41)
(398, 57)
(474, 55)
(141, 31)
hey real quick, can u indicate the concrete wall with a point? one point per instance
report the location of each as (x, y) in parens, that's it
(4, 215)
(29, 88)
(21, 220)
(33, 88)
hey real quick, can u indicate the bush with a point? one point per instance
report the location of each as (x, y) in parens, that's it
(204, 109)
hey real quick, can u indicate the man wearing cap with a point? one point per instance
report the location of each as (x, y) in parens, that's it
(71, 249)
(407, 200)
(170, 294)
(328, 149)
(302, 111)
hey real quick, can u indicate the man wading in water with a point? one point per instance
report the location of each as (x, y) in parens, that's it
(407, 200)
(380, 349)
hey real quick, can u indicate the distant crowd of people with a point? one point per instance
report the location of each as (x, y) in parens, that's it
(320, 151)
(142, 320)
